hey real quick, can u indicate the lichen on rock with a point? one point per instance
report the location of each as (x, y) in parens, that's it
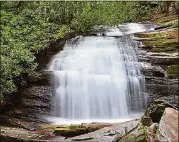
(75, 130)
(139, 134)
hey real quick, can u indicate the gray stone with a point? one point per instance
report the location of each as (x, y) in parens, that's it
(108, 134)
(168, 126)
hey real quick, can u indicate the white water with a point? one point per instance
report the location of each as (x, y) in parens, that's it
(98, 79)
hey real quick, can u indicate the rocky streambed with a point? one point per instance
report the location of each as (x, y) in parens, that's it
(159, 123)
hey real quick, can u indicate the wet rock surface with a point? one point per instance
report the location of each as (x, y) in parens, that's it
(165, 129)
(138, 135)
(36, 99)
(9, 134)
(107, 134)
(158, 54)
(74, 130)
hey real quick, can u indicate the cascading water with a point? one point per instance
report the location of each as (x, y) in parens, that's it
(99, 78)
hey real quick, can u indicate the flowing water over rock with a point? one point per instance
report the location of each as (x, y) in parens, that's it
(99, 78)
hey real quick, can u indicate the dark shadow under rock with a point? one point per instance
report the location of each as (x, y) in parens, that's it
(155, 112)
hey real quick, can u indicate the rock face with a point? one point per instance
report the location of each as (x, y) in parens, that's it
(33, 101)
(168, 126)
(36, 99)
(158, 54)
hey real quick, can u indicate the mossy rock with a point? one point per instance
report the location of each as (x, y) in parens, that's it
(167, 34)
(163, 45)
(167, 21)
(164, 49)
(172, 69)
(162, 41)
(75, 130)
(155, 112)
(146, 121)
(137, 135)
(70, 131)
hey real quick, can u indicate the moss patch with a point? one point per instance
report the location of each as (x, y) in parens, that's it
(69, 131)
(172, 69)
(162, 41)
(75, 130)
(167, 21)
(165, 40)
(137, 135)
(146, 121)
(169, 34)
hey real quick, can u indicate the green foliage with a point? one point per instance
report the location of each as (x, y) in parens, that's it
(175, 24)
(27, 27)
(64, 30)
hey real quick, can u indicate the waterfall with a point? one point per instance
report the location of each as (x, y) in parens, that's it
(99, 77)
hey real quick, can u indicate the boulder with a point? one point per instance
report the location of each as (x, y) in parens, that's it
(155, 111)
(19, 123)
(112, 133)
(9, 134)
(75, 130)
(137, 135)
(168, 125)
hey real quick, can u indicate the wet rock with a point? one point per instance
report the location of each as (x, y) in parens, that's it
(36, 99)
(106, 134)
(75, 130)
(36, 92)
(155, 111)
(147, 121)
(172, 71)
(20, 123)
(70, 132)
(159, 58)
(136, 135)
(154, 128)
(166, 21)
(153, 71)
(171, 100)
(18, 135)
(164, 60)
(168, 126)
(167, 92)
(161, 27)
